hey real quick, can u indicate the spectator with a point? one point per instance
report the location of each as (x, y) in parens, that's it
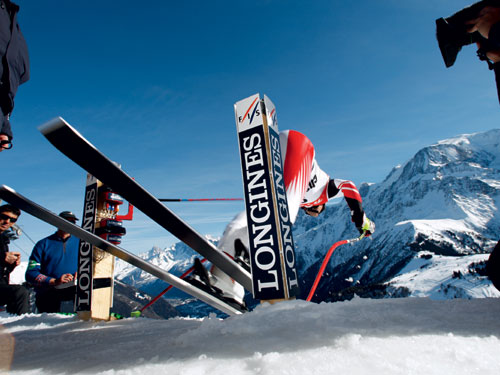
(16, 297)
(493, 266)
(52, 268)
(14, 68)
(488, 25)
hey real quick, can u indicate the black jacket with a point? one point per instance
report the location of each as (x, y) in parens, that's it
(494, 37)
(14, 68)
(5, 268)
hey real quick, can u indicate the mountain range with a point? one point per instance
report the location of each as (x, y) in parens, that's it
(436, 221)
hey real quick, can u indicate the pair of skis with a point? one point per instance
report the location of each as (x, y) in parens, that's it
(24, 204)
(71, 143)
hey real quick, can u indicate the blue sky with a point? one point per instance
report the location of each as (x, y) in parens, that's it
(153, 86)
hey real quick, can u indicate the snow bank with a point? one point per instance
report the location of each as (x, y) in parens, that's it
(391, 336)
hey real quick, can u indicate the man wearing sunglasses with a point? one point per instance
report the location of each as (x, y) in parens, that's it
(16, 297)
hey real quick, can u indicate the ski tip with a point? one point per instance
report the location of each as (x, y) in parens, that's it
(59, 126)
(6, 188)
(52, 125)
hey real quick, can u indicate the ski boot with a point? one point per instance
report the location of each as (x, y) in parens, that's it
(241, 254)
(202, 279)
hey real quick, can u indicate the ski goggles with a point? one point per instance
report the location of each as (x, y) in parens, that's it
(314, 210)
(7, 217)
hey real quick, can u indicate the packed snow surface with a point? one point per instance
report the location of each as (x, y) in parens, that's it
(361, 336)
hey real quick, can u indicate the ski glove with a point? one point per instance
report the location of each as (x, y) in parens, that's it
(367, 227)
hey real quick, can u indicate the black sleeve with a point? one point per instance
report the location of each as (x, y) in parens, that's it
(332, 189)
(496, 69)
(355, 205)
(5, 268)
(494, 39)
(493, 266)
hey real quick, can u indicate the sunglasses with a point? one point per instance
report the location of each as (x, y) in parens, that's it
(7, 217)
(6, 145)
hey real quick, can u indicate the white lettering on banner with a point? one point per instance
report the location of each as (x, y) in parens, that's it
(88, 219)
(85, 252)
(84, 283)
(267, 264)
(259, 212)
(286, 232)
(259, 232)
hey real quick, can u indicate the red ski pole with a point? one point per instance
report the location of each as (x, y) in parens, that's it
(325, 262)
(199, 200)
(166, 290)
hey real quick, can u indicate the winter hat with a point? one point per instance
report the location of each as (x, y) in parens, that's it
(68, 215)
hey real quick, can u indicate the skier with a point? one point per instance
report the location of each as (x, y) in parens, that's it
(307, 187)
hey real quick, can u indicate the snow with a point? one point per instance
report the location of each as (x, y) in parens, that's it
(361, 336)
(433, 277)
(17, 276)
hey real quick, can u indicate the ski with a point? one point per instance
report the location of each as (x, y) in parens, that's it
(72, 144)
(24, 204)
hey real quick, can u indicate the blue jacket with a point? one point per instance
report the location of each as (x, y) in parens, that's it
(51, 258)
(14, 65)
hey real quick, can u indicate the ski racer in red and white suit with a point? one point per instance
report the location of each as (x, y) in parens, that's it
(307, 187)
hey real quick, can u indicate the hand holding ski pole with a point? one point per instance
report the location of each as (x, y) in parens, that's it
(327, 258)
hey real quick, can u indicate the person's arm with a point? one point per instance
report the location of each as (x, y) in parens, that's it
(351, 196)
(354, 201)
(494, 56)
(488, 25)
(33, 273)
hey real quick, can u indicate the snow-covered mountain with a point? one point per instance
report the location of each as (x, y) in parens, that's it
(443, 201)
(175, 259)
(437, 219)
